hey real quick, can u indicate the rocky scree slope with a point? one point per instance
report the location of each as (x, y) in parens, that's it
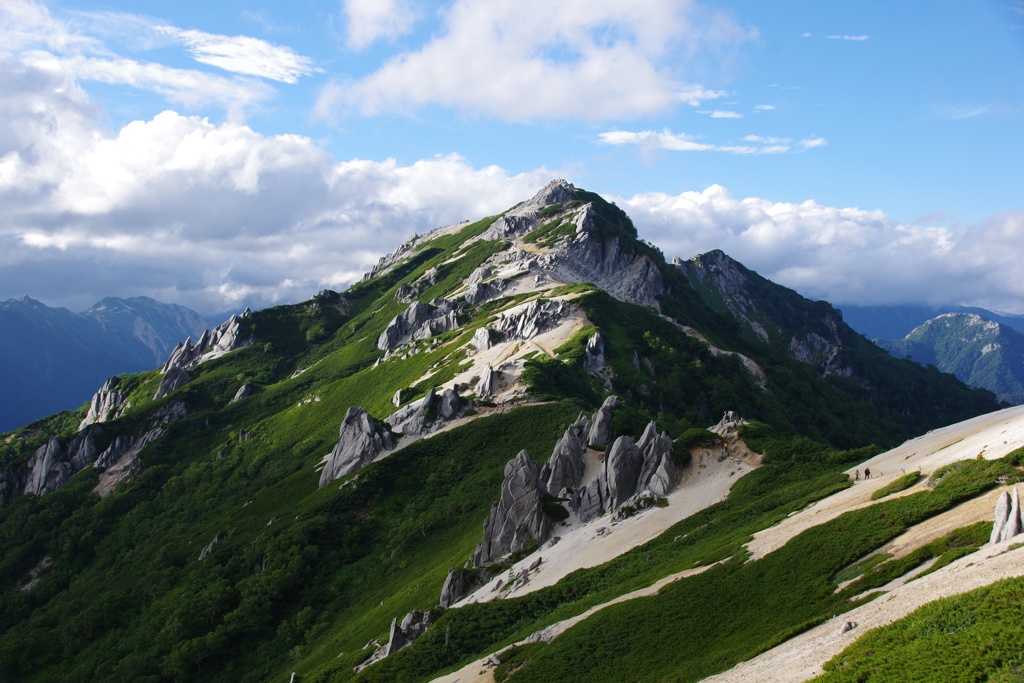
(282, 491)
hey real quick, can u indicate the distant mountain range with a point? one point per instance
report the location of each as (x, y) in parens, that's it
(896, 322)
(983, 353)
(52, 359)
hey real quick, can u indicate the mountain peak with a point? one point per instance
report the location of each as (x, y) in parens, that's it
(558, 191)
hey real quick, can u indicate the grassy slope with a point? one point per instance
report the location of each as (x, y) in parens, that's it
(128, 600)
(970, 637)
(707, 623)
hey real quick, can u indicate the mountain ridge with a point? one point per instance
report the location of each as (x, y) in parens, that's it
(220, 534)
(979, 351)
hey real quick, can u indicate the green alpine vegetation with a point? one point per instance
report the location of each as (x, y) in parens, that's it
(237, 518)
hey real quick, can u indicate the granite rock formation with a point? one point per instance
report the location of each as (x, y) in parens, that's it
(517, 518)
(359, 443)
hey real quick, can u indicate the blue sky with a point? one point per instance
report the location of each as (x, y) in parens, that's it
(229, 154)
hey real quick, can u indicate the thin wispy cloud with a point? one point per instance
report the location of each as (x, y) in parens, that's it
(961, 112)
(650, 140)
(764, 107)
(243, 55)
(106, 47)
(857, 39)
(722, 114)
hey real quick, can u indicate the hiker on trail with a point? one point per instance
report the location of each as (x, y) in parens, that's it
(856, 475)
(867, 473)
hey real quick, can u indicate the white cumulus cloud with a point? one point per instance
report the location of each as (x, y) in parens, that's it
(529, 59)
(843, 255)
(371, 20)
(210, 215)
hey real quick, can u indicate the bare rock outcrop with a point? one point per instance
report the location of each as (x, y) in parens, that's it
(52, 465)
(488, 384)
(659, 474)
(426, 414)
(517, 518)
(534, 318)
(359, 443)
(461, 582)
(623, 465)
(730, 424)
(566, 466)
(211, 344)
(419, 321)
(108, 403)
(628, 276)
(594, 359)
(600, 426)
(400, 636)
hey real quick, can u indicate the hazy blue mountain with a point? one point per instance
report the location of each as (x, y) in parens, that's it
(52, 359)
(896, 322)
(983, 353)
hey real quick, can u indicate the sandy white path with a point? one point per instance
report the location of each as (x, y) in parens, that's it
(800, 658)
(992, 435)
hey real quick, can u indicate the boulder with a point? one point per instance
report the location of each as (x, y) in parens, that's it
(449, 404)
(1013, 519)
(481, 339)
(1001, 513)
(517, 518)
(359, 443)
(243, 391)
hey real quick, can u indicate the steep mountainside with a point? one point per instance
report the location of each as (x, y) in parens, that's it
(506, 425)
(981, 352)
(53, 359)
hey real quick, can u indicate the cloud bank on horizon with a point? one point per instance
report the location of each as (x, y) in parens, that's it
(189, 201)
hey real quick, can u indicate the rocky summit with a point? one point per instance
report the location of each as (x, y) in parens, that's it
(527, 447)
